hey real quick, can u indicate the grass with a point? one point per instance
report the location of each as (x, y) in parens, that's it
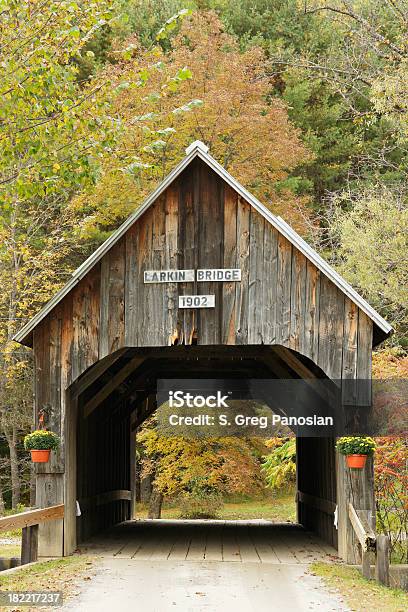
(360, 594)
(55, 575)
(279, 507)
(10, 550)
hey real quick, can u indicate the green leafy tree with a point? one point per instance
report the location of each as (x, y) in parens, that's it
(279, 466)
(371, 246)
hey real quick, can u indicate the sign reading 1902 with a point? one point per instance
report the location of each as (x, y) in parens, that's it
(189, 276)
(196, 301)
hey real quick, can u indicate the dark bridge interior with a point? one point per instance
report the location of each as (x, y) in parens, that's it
(123, 395)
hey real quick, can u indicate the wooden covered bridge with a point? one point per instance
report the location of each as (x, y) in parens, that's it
(116, 327)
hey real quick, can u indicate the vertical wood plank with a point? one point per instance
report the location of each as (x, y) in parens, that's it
(230, 261)
(210, 252)
(312, 312)
(112, 300)
(364, 358)
(298, 301)
(50, 492)
(157, 292)
(29, 544)
(86, 322)
(145, 292)
(256, 264)
(269, 283)
(331, 323)
(132, 286)
(283, 290)
(349, 372)
(70, 475)
(173, 327)
(241, 289)
(189, 205)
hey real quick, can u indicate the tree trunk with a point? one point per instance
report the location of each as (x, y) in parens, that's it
(155, 504)
(11, 437)
(2, 507)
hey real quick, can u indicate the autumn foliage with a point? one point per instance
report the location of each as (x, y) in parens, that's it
(225, 465)
(391, 488)
(206, 89)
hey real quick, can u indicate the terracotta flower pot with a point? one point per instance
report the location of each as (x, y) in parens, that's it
(40, 456)
(356, 461)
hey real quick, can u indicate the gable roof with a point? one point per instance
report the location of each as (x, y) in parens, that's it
(200, 150)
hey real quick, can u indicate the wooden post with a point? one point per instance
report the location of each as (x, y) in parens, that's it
(29, 544)
(382, 564)
(366, 564)
(70, 476)
(357, 487)
(132, 464)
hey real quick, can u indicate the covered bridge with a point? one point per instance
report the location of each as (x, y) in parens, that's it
(105, 338)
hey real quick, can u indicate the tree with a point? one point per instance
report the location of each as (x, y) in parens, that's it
(52, 133)
(204, 88)
(279, 466)
(198, 468)
(370, 231)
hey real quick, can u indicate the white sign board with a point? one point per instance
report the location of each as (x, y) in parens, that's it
(169, 276)
(196, 301)
(222, 274)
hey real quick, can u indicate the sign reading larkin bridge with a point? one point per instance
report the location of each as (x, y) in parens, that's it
(189, 276)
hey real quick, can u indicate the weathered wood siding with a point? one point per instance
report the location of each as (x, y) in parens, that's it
(198, 222)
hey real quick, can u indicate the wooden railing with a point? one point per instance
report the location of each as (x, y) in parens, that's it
(317, 503)
(107, 497)
(370, 544)
(28, 522)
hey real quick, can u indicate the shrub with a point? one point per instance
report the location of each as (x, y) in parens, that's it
(41, 439)
(200, 500)
(200, 505)
(355, 445)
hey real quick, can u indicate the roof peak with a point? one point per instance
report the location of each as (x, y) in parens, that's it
(197, 144)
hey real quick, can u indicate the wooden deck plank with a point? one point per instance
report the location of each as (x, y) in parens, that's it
(196, 550)
(230, 548)
(262, 544)
(213, 549)
(179, 550)
(247, 549)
